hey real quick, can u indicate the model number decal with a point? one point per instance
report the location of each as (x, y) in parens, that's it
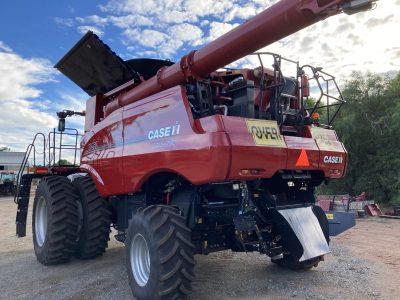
(333, 159)
(164, 132)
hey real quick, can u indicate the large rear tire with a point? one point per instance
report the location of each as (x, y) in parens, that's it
(95, 220)
(55, 220)
(159, 254)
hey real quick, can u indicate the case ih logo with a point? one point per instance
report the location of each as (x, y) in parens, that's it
(164, 132)
(333, 159)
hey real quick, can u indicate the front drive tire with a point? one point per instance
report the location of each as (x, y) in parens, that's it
(95, 220)
(55, 220)
(159, 254)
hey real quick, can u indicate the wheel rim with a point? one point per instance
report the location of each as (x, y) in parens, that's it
(41, 221)
(140, 260)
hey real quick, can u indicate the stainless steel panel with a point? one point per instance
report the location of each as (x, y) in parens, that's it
(307, 229)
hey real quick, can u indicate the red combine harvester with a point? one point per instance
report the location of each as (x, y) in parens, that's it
(190, 157)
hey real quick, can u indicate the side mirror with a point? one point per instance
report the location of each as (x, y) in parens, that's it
(61, 125)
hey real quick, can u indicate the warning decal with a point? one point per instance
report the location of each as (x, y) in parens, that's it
(326, 139)
(303, 161)
(329, 216)
(265, 133)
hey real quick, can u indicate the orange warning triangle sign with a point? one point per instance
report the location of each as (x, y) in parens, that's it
(302, 161)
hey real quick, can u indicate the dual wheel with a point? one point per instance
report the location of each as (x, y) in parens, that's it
(69, 219)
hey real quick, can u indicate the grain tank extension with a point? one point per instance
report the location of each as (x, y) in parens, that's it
(194, 157)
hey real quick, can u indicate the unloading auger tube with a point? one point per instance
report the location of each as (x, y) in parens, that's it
(280, 20)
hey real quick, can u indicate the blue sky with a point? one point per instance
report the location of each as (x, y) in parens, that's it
(34, 35)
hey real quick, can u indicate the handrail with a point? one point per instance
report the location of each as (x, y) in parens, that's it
(52, 137)
(278, 84)
(50, 145)
(26, 159)
(322, 80)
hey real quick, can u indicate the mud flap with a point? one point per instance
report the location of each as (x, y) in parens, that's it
(307, 228)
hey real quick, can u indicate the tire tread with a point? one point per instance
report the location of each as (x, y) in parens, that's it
(62, 225)
(175, 250)
(95, 232)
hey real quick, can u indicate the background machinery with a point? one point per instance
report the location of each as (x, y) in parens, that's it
(193, 157)
(7, 182)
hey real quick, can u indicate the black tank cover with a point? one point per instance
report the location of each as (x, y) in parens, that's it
(96, 69)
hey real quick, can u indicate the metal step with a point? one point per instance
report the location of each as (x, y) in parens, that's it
(22, 199)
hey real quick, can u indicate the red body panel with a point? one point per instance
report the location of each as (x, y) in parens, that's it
(198, 156)
(295, 146)
(102, 150)
(246, 155)
(158, 134)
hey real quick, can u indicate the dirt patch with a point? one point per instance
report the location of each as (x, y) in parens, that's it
(364, 264)
(378, 241)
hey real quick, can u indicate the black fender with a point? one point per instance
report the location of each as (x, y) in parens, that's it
(185, 200)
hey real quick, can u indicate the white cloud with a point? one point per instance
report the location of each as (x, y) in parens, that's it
(85, 28)
(130, 21)
(148, 37)
(208, 7)
(67, 22)
(19, 95)
(168, 25)
(186, 33)
(4, 47)
(165, 44)
(244, 12)
(94, 20)
(130, 6)
(204, 23)
(75, 101)
(217, 29)
(177, 16)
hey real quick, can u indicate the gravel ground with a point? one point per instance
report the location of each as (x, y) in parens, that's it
(364, 264)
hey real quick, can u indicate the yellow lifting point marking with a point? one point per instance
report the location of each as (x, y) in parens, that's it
(329, 216)
(265, 133)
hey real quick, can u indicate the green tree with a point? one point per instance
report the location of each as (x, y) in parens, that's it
(369, 127)
(64, 162)
(3, 149)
